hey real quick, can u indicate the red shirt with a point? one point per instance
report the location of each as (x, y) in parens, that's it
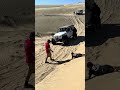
(47, 47)
(30, 51)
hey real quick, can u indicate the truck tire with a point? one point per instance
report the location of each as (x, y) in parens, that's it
(65, 40)
(75, 35)
(53, 42)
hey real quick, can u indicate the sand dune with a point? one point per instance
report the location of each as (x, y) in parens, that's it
(110, 9)
(55, 22)
(66, 9)
(62, 78)
(61, 54)
(13, 8)
(106, 48)
(13, 69)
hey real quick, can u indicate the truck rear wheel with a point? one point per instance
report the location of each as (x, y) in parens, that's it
(74, 35)
(65, 40)
(53, 42)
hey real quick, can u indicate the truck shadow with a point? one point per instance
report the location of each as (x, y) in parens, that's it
(76, 41)
(73, 41)
(54, 62)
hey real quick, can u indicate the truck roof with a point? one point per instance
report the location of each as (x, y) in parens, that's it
(67, 26)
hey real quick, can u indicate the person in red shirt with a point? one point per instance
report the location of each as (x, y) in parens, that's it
(30, 57)
(48, 51)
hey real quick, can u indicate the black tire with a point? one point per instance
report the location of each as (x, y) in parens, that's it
(74, 35)
(65, 40)
(53, 42)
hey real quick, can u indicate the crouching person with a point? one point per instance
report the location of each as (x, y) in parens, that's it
(97, 70)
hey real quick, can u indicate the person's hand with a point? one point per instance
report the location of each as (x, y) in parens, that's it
(51, 50)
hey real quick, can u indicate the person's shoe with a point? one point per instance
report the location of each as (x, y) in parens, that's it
(28, 86)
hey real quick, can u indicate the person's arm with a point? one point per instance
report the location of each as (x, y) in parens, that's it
(49, 48)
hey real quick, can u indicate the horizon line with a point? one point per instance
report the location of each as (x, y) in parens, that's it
(60, 4)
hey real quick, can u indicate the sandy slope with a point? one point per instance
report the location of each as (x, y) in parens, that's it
(107, 49)
(62, 78)
(13, 8)
(13, 69)
(110, 9)
(55, 22)
(63, 9)
(61, 54)
(56, 16)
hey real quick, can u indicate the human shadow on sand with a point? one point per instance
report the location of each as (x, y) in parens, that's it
(99, 37)
(76, 41)
(55, 62)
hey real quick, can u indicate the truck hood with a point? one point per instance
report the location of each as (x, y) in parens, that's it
(60, 33)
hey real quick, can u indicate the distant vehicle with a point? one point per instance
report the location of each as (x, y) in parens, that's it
(80, 12)
(64, 33)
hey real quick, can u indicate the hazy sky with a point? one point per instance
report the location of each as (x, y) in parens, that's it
(46, 2)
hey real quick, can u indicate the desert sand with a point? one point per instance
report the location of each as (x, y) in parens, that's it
(68, 76)
(13, 68)
(13, 8)
(106, 49)
(51, 76)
